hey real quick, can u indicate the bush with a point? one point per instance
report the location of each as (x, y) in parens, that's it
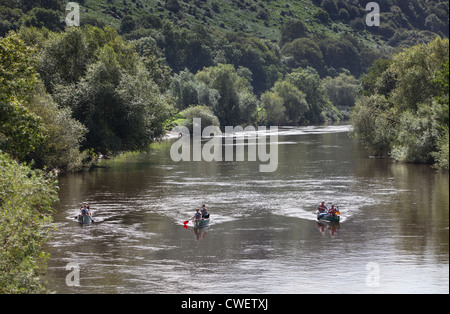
(201, 112)
(26, 199)
(441, 156)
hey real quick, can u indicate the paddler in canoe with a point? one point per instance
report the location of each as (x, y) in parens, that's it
(322, 208)
(85, 210)
(201, 218)
(334, 211)
(85, 215)
(204, 211)
(332, 214)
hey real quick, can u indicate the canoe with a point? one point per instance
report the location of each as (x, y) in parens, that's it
(201, 223)
(328, 218)
(84, 219)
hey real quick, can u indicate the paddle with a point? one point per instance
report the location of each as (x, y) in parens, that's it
(186, 224)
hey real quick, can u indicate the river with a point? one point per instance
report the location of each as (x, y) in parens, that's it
(263, 236)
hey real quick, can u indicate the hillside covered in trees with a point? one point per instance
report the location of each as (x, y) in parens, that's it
(134, 67)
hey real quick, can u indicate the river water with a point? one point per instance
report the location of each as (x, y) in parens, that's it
(263, 237)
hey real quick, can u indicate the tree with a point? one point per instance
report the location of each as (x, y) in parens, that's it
(60, 149)
(225, 79)
(304, 52)
(64, 58)
(373, 124)
(26, 201)
(369, 79)
(294, 101)
(342, 90)
(39, 17)
(123, 110)
(291, 30)
(127, 25)
(199, 112)
(21, 131)
(18, 76)
(188, 91)
(319, 107)
(173, 5)
(408, 119)
(274, 107)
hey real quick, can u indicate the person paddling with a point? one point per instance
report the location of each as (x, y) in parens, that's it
(197, 215)
(84, 210)
(205, 214)
(322, 208)
(333, 211)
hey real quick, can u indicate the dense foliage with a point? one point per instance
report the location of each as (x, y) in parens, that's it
(26, 200)
(404, 113)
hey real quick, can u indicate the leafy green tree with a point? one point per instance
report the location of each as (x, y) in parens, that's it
(294, 101)
(291, 30)
(319, 107)
(18, 76)
(188, 91)
(39, 17)
(21, 131)
(173, 5)
(373, 124)
(199, 112)
(415, 70)
(26, 200)
(274, 108)
(123, 110)
(304, 52)
(407, 117)
(60, 149)
(64, 58)
(127, 25)
(342, 90)
(230, 86)
(369, 79)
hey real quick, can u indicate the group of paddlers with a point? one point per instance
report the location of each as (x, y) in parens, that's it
(323, 209)
(201, 214)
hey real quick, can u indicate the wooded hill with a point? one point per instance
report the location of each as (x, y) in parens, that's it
(136, 67)
(336, 29)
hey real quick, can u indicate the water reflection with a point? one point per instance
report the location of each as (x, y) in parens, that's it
(331, 228)
(200, 233)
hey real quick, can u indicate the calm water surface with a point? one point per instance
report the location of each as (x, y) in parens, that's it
(264, 237)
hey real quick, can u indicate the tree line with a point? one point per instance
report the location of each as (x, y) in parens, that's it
(403, 110)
